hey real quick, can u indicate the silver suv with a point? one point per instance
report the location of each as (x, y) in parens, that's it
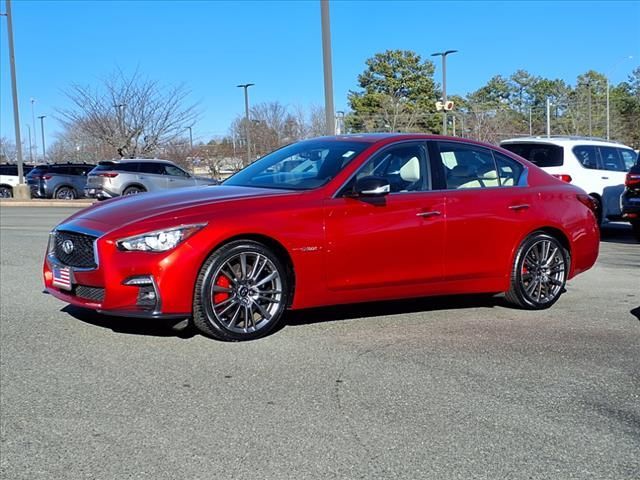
(132, 176)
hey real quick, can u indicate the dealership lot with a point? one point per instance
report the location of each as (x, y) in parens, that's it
(441, 388)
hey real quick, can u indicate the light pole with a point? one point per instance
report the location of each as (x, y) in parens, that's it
(328, 70)
(246, 117)
(120, 113)
(42, 117)
(30, 144)
(444, 86)
(33, 124)
(608, 87)
(21, 190)
(190, 137)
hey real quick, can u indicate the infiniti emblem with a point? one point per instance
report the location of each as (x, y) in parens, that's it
(67, 247)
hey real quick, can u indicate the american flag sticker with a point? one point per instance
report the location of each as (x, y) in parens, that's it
(62, 277)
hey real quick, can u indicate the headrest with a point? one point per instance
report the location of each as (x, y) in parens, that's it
(410, 171)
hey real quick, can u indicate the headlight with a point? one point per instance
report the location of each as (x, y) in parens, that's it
(159, 240)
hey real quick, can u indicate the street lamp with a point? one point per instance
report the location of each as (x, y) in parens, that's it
(607, 77)
(30, 144)
(246, 116)
(587, 83)
(444, 85)
(42, 117)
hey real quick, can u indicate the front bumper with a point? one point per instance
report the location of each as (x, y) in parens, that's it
(162, 285)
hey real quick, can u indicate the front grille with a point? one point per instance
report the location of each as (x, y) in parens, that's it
(90, 293)
(82, 253)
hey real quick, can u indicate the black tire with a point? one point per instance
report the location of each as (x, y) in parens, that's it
(133, 190)
(242, 294)
(65, 193)
(530, 273)
(6, 192)
(635, 228)
(598, 211)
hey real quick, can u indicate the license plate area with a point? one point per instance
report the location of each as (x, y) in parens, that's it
(62, 277)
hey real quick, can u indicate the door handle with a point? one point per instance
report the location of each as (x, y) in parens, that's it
(604, 178)
(434, 213)
(522, 206)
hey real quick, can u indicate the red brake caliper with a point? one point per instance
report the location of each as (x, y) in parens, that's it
(223, 282)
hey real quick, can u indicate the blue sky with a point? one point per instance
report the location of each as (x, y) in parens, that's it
(211, 46)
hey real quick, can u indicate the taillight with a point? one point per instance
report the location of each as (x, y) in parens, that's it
(47, 177)
(589, 202)
(564, 177)
(108, 174)
(632, 180)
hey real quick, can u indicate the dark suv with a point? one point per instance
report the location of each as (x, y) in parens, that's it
(630, 199)
(64, 181)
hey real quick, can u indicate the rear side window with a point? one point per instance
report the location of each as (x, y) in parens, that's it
(61, 170)
(116, 167)
(509, 170)
(587, 155)
(151, 167)
(9, 170)
(540, 154)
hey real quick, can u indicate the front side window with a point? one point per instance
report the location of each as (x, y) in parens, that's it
(174, 171)
(403, 166)
(300, 166)
(467, 166)
(628, 157)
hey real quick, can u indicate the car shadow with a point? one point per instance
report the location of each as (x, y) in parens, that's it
(133, 326)
(618, 232)
(390, 307)
(635, 312)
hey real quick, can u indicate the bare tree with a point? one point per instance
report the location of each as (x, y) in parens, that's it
(133, 115)
(7, 150)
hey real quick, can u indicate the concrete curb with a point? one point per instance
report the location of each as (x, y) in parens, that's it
(10, 202)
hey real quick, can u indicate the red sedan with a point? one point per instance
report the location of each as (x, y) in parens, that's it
(329, 221)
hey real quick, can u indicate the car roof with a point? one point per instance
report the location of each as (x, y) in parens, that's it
(564, 141)
(136, 160)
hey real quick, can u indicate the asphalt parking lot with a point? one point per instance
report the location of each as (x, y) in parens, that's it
(446, 388)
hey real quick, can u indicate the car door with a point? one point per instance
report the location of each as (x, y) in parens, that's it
(387, 241)
(176, 177)
(152, 176)
(487, 206)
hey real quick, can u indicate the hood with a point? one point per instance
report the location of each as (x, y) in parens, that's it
(134, 208)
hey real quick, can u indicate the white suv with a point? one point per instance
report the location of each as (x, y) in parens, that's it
(9, 178)
(599, 167)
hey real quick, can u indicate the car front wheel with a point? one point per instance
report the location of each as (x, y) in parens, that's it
(241, 292)
(539, 273)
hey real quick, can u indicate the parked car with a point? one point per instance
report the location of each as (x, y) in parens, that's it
(63, 181)
(9, 178)
(377, 217)
(598, 167)
(132, 176)
(630, 199)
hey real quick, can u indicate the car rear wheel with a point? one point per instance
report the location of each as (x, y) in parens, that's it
(598, 209)
(6, 192)
(133, 191)
(65, 193)
(539, 272)
(241, 292)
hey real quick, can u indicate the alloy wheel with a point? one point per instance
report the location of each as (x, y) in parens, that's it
(543, 272)
(245, 292)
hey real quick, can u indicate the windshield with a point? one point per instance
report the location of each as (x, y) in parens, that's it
(300, 166)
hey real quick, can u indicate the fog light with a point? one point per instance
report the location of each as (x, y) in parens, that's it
(147, 298)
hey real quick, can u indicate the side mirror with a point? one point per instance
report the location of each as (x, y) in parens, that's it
(371, 187)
